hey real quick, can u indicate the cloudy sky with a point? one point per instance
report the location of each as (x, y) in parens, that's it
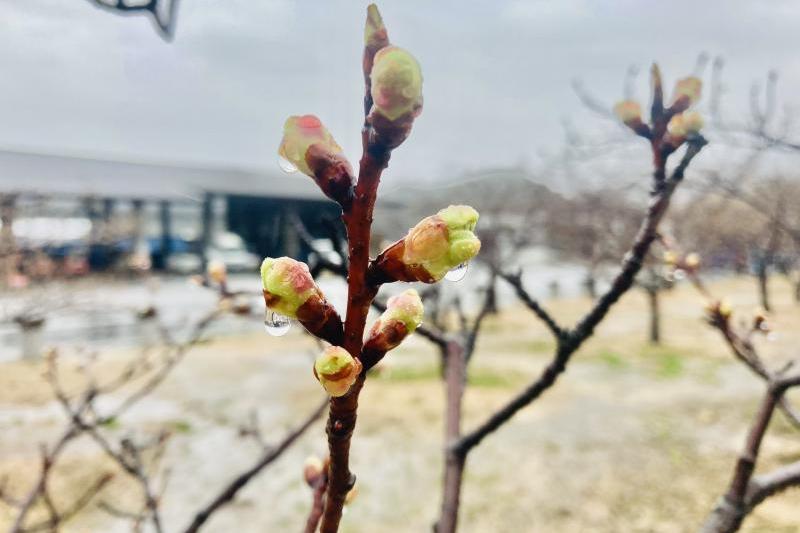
(79, 80)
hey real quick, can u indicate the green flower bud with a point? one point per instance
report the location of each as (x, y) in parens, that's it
(396, 83)
(375, 35)
(336, 370)
(299, 134)
(287, 284)
(405, 307)
(443, 241)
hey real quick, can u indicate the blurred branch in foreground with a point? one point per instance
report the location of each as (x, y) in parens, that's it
(163, 13)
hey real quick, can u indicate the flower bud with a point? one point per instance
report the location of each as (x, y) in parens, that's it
(682, 125)
(629, 112)
(719, 312)
(687, 93)
(375, 34)
(433, 247)
(670, 258)
(217, 271)
(313, 468)
(692, 261)
(309, 146)
(290, 290)
(396, 90)
(402, 317)
(351, 495)
(336, 370)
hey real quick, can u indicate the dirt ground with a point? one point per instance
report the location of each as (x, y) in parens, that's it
(633, 438)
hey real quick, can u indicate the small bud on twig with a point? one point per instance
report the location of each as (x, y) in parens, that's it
(630, 113)
(687, 93)
(692, 262)
(217, 272)
(336, 370)
(375, 34)
(313, 468)
(433, 247)
(682, 125)
(309, 146)
(290, 290)
(402, 317)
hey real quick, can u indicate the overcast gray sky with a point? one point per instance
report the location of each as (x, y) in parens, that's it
(497, 74)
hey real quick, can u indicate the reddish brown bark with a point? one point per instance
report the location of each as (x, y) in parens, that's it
(342, 418)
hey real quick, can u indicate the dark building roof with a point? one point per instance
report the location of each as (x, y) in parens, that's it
(59, 175)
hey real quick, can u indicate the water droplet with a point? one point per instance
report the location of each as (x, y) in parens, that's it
(679, 274)
(286, 165)
(276, 324)
(457, 274)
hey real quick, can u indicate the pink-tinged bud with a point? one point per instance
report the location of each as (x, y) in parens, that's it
(313, 468)
(402, 317)
(396, 91)
(309, 146)
(217, 271)
(336, 370)
(290, 290)
(687, 93)
(670, 258)
(432, 248)
(405, 307)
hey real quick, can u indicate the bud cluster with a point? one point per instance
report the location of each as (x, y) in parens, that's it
(436, 245)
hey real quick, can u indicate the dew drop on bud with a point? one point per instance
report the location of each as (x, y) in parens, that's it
(679, 274)
(457, 274)
(276, 324)
(286, 165)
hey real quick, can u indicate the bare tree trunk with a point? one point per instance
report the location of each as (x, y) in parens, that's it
(454, 460)
(797, 290)
(7, 242)
(590, 285)
(763, 284)
(726, 517)
(655, 315)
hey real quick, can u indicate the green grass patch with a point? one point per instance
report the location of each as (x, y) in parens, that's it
(613, 360)
(669, 363)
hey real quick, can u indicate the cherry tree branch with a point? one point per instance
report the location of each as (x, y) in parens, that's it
(573, 339)
(240, 481)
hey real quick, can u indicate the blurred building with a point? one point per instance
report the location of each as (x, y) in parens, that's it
(182, 215)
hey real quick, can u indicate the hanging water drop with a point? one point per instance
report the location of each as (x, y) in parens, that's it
(286, 165)
(276, 324)
(457, 274)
